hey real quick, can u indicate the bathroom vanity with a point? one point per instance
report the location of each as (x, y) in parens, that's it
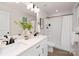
(35, 46)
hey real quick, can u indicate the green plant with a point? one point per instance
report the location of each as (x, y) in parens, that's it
(29, 26)
(24, 24)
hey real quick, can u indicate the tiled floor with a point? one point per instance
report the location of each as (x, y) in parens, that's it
(59, 52)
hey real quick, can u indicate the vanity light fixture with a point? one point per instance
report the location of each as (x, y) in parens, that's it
(17, 2)
(36, 9)
(29, 5)
(32, 7)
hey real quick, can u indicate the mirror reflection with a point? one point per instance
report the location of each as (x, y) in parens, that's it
(17, 12)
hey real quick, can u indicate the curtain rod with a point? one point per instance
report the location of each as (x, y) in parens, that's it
(60, 15)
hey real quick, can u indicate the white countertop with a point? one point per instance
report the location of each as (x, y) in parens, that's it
(20, 46)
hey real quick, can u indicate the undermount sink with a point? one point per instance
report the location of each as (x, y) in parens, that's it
(13, 45)
(19, 41)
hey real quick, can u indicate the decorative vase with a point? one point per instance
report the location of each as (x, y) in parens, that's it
(26, 34)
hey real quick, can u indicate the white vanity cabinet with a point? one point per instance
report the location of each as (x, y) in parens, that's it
(35, 46)
(39, 49)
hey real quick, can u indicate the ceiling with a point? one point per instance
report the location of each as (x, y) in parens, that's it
(51, 7)
(48, 7)
(18, 6)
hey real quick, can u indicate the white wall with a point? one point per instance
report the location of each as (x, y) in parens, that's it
(56, 39)
(16, 12)
(56, 14)
(4, 22)
(42, 14)
(74, 22)
(60, 32)
(54, 31)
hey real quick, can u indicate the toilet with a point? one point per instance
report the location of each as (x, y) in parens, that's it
(50, 47)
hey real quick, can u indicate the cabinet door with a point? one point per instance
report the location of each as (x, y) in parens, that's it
(38, 49)
(44, 49)
(41, 48)
(29, 52)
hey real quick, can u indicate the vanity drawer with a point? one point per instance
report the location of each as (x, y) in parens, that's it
(38, 45)
(41, 48)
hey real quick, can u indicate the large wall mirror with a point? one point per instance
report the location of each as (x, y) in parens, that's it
(14, 12)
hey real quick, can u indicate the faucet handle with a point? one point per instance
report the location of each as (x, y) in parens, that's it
(11, 40)
(6, 42)
(5, 36)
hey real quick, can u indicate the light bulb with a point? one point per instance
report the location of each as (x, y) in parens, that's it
(31, 9)
(18, 1)
(28, 7)
(35, 9)
(38, 10)
(31, 5)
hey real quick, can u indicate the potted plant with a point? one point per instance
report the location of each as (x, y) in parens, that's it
(26, 26)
